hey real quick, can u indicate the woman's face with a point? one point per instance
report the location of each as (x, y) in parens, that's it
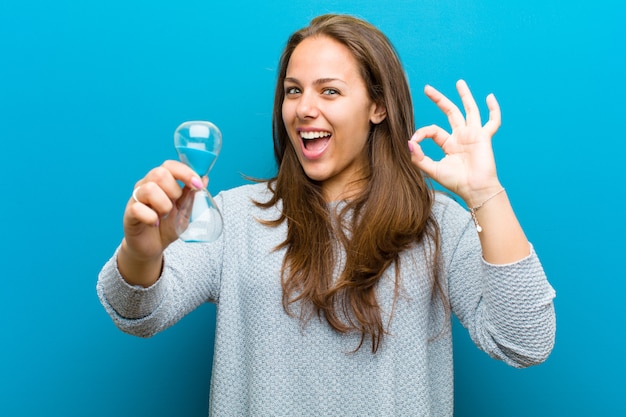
(327, 114)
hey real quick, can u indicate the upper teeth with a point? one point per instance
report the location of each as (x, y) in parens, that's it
(314, 135)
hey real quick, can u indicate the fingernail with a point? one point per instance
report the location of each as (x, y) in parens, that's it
(197, 183)
(410, 147)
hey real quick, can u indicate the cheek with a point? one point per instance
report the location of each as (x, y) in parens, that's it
(294, 139)
(286, 119)
(361, 125)
(287, 111)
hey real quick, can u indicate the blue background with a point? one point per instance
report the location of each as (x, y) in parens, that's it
(91, 92)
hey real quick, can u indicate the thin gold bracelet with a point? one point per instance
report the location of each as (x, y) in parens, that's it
(473, 210)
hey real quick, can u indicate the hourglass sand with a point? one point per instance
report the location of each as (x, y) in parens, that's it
(198, 143)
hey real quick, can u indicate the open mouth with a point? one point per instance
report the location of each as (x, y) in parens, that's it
(315, 141)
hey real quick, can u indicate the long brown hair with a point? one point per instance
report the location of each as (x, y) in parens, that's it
(390, 214)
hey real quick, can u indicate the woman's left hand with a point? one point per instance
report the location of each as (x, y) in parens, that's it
(468, 167)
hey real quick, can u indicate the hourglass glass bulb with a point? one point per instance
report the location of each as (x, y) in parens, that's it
(198, 144)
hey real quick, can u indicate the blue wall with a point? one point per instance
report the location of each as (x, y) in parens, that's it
(91, 91)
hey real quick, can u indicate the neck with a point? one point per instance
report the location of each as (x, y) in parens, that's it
(341, 193)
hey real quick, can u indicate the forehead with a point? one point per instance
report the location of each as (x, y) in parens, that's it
(323, 57)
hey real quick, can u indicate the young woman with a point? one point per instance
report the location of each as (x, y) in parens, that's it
(335, 281)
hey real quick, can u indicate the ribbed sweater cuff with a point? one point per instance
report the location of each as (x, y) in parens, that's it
(128, 301)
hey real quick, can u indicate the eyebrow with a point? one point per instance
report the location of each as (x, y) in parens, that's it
(319, 81)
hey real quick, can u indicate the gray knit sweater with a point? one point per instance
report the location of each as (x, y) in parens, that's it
(267, 363)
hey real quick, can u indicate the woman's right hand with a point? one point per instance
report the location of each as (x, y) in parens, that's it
(150, 220)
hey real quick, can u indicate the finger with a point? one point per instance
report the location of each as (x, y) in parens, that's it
(152, 195)
(183, 173)
(495, 117)
(421, 160)
(472, 113)
(139, 213)
(184, 206)
(454, 115)
(166, 179)
(168, 176)
(434, 132)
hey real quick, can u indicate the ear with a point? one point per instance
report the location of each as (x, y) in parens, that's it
(378, 113)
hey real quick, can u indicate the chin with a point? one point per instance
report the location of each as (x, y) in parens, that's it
(316, 178)
(315, 175)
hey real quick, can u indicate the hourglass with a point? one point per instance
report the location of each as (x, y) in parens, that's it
(198, 143)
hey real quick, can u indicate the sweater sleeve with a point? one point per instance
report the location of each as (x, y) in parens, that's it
(191, 276)
(188, 280)
(507, 309)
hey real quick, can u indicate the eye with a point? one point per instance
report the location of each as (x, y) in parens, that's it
(289, 91)
(330, 92)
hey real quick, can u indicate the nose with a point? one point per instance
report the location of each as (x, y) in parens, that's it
(307, 106)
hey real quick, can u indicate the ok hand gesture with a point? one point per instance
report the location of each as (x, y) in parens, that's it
(468, 167)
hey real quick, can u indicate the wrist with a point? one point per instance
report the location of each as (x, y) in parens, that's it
(477, 196)
(137, 270)
(474, 209)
